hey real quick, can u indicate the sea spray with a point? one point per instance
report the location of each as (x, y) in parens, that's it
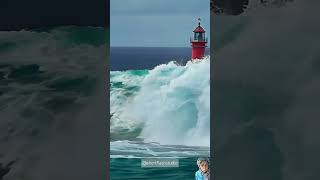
(168, 105)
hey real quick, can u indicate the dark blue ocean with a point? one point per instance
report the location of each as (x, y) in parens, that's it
(134, 58)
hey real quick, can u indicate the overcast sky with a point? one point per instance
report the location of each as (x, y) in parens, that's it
(156, 23)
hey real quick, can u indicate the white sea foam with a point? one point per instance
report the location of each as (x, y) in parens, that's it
(136, 149)
(171, 106)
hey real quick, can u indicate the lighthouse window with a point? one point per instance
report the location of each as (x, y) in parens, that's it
(198, 36)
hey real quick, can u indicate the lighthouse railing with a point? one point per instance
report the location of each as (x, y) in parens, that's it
(198, 40)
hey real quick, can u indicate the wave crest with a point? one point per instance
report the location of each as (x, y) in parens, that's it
(170, 104)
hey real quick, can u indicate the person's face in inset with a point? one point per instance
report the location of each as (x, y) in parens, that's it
(204, 166)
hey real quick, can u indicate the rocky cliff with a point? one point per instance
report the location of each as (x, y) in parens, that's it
(236, 7)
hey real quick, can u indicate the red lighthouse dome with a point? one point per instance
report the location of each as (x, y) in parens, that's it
(198, 42)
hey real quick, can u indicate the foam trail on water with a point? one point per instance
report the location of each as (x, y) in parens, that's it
(171, 104)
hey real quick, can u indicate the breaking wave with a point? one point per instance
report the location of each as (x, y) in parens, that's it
(169, 104)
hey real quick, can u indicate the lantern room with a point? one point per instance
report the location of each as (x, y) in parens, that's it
(199, 33)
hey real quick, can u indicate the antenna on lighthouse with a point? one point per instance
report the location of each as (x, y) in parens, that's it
(199, 19)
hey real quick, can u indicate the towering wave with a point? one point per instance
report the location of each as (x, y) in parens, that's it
(168, 105)
(49, 82)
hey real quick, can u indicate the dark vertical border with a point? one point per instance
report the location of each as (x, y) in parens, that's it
(211, 92)
(107, 91)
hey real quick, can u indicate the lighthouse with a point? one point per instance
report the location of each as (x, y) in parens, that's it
(198, 42)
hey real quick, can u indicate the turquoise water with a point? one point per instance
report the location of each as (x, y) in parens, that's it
(170, 98)
(163, 112)
(123, 168)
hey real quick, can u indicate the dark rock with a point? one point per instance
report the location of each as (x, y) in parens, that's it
(232, 7)
(236, 7)
(5, 169)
